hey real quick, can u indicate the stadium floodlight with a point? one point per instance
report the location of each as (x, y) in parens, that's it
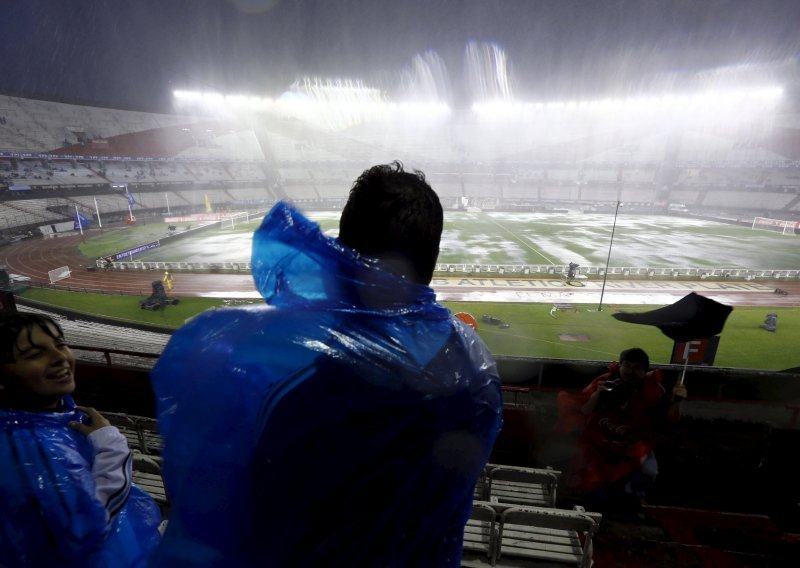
(327, 103)
(708, 102)
(216, 102)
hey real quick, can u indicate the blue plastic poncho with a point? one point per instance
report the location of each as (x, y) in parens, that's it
(49, 515)
(344, 424)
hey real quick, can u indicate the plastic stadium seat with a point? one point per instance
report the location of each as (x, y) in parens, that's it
(480, 536)
(530, 536)
(523, 486)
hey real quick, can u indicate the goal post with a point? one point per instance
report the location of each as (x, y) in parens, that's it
(230, 222)
(776, 225)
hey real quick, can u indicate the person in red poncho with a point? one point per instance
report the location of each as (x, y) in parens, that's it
(619, 418)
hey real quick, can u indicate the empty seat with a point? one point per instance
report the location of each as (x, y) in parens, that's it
(523, 486)
(480, 536)
(128, 427)
(147, 476)
(153, 443)
(535, 535)
(481, 491)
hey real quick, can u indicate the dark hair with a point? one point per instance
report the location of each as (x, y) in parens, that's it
(635, 355)
(395, 216)
(12, 324)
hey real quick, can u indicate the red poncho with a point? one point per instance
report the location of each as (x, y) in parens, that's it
(616, 436)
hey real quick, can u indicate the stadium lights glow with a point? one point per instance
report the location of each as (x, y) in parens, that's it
(712, 100)
(331, 104)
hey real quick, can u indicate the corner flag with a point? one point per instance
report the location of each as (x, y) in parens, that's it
(80, 222)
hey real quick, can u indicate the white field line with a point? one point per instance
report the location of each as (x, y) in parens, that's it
(520, 241)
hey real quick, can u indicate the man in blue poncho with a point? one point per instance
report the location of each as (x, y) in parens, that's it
(346, 422)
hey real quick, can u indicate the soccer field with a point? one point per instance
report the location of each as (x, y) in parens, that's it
(503, 238)
(546, 238)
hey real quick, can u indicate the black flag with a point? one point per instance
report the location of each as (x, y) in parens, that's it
(692, 317)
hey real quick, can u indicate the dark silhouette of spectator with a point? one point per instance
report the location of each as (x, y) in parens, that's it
(344, 424)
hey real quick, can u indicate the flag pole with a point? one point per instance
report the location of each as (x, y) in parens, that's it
(685, 364)
(78, 219)
(97, 210)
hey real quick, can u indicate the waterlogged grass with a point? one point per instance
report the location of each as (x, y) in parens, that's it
(193, 249)
(532, 331)
(119, 239)
(526, 238)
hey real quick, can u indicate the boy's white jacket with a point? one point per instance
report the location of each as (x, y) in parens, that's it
(66, 499)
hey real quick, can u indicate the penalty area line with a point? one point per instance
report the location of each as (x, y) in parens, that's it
(520, 241)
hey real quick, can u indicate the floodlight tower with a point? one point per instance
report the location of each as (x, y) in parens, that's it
(608, 259)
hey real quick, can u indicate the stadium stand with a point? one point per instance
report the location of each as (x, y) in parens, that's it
(518, 190)
(32, 210)
(515, 522)
(209, 172)
(638, 177)
(471, 163)
(633, 194)
(744, 199)
(786, 178)
(536, 534)
(145, 445)
(37, 125)
(198, 198)
(249, 195)
(147, 475)
(331, 191)
(101, 336)
(591, 176)
(522, 486)
(549, 192)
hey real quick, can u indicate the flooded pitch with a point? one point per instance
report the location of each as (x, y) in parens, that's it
(538, 238)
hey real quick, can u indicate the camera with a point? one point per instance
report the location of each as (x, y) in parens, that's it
(614, 391)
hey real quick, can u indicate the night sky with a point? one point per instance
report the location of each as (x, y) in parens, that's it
(133, 53)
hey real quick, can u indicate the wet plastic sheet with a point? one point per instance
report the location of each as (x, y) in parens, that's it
(345, 424)
(49, 515)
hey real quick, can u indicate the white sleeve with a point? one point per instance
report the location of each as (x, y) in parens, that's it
(111, 468)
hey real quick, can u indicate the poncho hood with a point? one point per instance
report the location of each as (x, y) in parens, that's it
(296, 265)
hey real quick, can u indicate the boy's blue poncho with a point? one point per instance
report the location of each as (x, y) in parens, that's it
(344, 424)
(49, 515)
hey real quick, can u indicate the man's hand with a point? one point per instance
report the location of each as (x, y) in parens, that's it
(96, 421)
(679, 392)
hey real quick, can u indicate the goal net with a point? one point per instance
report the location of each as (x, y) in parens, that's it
(231, 222)
(777, 225)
